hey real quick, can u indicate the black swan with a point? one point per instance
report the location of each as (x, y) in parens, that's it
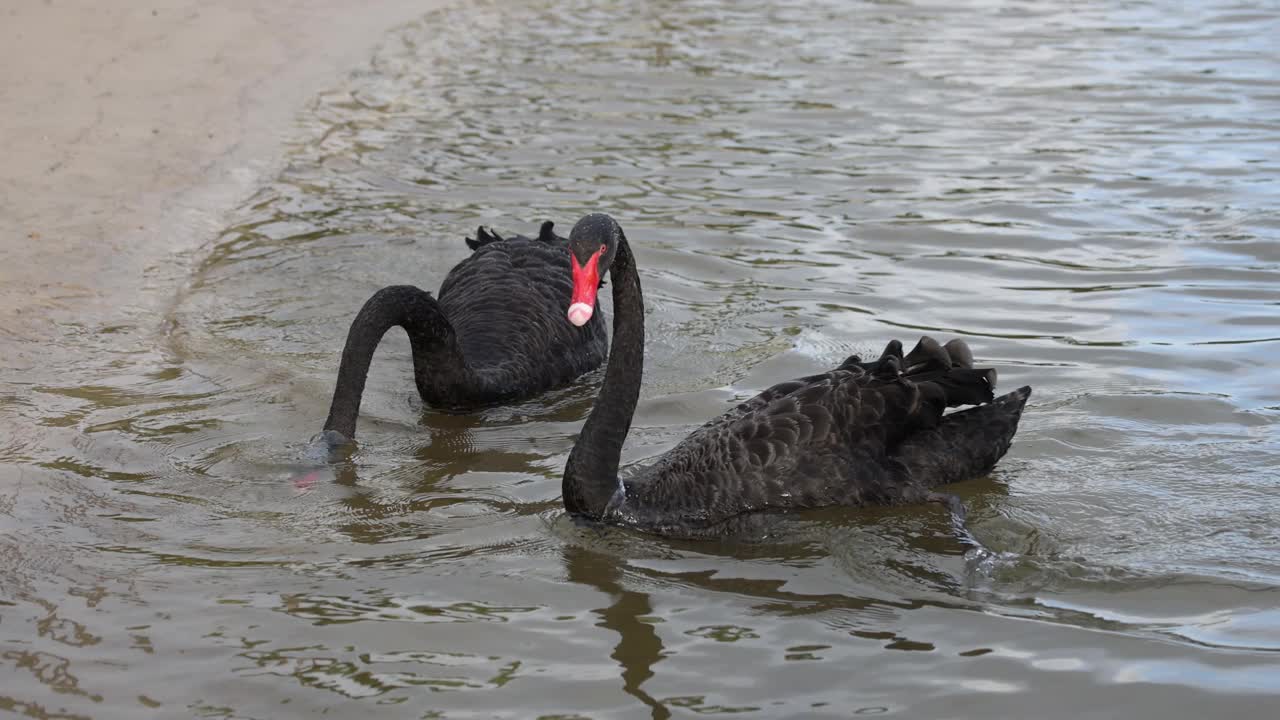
(864, 433)
(496, 333)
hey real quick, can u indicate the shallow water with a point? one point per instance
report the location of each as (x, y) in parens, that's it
(1087, 194)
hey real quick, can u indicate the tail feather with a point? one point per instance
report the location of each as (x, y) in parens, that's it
(546, 233)
(888, 365)
(960, 386)
(892, 349)
(484, 236)
(959, 352)
(963, 445)
(926, 355)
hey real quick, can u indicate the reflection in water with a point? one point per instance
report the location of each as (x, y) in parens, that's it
(1085, 193)
(639, 648)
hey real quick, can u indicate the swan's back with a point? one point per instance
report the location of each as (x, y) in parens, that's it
(506, 304)
(861, 434)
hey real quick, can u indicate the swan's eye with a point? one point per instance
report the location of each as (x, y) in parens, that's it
(601, 248)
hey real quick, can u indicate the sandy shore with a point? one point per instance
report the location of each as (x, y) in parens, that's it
(127, 131)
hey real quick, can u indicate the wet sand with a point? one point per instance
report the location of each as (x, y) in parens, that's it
(128, 130)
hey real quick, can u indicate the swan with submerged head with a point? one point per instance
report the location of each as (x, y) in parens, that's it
(864, 433)
(495, 333)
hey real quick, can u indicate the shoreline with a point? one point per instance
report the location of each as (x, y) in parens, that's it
(130, 132)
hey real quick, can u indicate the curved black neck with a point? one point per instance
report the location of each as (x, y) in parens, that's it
(591, 475)
(437, 359)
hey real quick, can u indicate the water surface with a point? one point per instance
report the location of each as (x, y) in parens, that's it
(1086, 193)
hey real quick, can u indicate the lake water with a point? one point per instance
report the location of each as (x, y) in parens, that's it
(1086, 192)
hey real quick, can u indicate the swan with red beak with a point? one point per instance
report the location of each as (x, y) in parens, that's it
(862, 433)
(589, 259)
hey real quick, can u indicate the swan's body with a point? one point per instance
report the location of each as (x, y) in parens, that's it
(496, 333)
(861, 434)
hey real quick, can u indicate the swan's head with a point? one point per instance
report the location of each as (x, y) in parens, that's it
(592, 245)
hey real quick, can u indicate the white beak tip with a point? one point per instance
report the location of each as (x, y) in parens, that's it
(579, 313)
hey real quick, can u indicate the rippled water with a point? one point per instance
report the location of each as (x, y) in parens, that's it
(1087, 193)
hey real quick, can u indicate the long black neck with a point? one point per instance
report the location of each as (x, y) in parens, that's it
(437, 360)
(591, 475)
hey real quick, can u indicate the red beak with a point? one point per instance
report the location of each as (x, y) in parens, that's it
(586, 281)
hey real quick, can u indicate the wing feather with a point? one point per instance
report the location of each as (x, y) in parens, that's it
(825, 439)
